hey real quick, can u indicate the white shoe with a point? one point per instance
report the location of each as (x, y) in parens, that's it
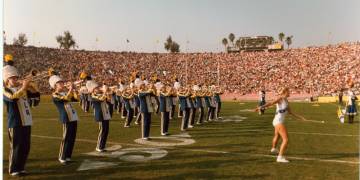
(68, 159)
(145, 138)
(281, 159)
(274, 150)
(100, 150)
(127, 126)
(190, 126)
(164, 134)
(62, 161)
(15, 174)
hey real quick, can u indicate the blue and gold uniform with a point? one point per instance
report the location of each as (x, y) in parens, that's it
(19, 127)
(129, 105)
(101, 113)
(209, 105)
(19, 121)
(69, 118)
(146, 108)
(165, 106)
(198, 103)
(217, 100)
(62, 98)
(183, 94)
(190, 100)
(102, 116)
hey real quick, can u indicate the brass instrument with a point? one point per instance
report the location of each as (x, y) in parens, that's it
(128, 93)
(183, 92)
(36, 76)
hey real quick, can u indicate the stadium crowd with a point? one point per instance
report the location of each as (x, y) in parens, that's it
(313, 70)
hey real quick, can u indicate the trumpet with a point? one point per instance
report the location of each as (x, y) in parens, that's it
(35, 75)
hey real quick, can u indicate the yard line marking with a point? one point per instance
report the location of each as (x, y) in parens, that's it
(218, 152)
(84, 140)
(293, 132)
(304, 158)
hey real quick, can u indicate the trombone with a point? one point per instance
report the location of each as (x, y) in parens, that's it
(35, 75)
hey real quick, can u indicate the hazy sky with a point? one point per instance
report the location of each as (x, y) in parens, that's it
(203, 23)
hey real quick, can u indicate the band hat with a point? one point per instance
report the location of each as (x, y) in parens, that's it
(196, 88)
(91, 85)
(9, 71)
(53, 80)
(138, 82)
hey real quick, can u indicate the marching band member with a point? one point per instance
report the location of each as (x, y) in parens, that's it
(101, 112)
(62, 98)
(129, 104)
(19, 119)
(217, 93)
(119, 101)
(33, 94)
(173, 98)
(190, 100)
(110, 98)
(199, 104)
(135, 85)
(183, 93)
(84, 92)
(209, 104)
(158, 85)
(146, 109)
(153, 97)
(165, 100)
(177, 86)
(282, 108)
(351, 110)
(262, 101)
(137, 113)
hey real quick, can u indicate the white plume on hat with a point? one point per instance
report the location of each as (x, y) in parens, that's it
(196, 88)
(138, 82)
(158, 85)
(91, 85)
(53, 80)
(9, 71)
(177, 85)
(146, 82)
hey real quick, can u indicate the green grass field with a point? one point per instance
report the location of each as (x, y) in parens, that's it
(236, 148)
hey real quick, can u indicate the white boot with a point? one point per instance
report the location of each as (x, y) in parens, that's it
(281, 159)
(274, 150)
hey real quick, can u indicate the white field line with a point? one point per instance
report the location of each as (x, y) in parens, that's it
(292, 132)
(216, 152)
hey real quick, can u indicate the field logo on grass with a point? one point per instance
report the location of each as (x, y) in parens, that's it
(127, 154)
(141, 154)
(175, 140)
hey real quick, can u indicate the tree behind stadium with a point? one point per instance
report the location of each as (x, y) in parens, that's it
(288, 41)
(171, 45)
(21, 40)
(67, 41)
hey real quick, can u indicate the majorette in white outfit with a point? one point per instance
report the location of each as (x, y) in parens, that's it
(281, 111)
